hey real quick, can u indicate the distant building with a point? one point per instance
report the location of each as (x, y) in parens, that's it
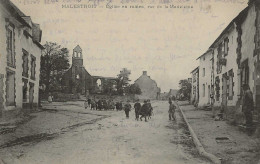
(195, 86)
(77, 79)
(173, 92)
(20, 55)
(148, 86)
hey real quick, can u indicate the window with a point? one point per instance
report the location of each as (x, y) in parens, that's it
(244, 72)
(226, 46)
(204, 72)
(203, 90)
(25, 64)
(33, 65)
(10, 46)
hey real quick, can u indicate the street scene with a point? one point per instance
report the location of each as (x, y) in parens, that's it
(125, 82)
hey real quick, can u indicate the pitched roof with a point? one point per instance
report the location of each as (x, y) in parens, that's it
(195, 69)
(204, 53)
(238, 19)
(77, 49)
(15, 11)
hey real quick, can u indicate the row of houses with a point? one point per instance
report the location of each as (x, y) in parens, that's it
(20, 52)
(231, 61)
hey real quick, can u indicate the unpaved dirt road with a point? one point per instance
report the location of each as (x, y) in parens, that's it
(113, 140)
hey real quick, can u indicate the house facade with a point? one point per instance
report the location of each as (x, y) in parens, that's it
(205, 88)
(20, 53)
(148, 86)
(195, 86)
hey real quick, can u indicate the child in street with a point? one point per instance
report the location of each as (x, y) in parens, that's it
(171, 111)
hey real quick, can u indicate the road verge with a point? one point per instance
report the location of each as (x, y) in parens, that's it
(196, 141)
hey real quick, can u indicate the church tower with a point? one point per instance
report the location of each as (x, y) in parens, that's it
(77, 59)
(77, 68)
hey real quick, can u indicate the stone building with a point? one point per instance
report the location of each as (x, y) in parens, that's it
(77, 79)
(20, 54)
(148, 86)
(195, 86)
(231, 61)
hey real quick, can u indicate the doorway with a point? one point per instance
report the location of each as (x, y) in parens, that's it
(31, 92)
(224, 91)
(10, 88)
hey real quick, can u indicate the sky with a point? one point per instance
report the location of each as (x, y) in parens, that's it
(165, 42)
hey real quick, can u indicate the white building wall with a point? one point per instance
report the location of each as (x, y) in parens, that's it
(204, 80)
(21, 42)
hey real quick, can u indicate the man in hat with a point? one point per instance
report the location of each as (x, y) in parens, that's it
(248, 105)
(137, 107)
(127, 108)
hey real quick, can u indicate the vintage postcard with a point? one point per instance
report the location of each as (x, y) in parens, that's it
(129, 81)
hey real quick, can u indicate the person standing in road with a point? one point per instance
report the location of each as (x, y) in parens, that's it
(171, 111)
(137, 107)
(89, 102)
(144, 111)
(127, 108)
(248, 105)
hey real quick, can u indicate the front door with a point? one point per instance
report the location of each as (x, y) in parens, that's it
(31, 92)
(224, 91)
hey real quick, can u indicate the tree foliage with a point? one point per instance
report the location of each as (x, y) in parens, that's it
(135, 89)
(185, 89)
(108, 86)
(123, 80)
(54, 61)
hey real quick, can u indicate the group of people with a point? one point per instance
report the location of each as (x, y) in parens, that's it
(145, 110)
(102, 104)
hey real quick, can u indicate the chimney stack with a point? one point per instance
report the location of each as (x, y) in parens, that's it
(144, 72)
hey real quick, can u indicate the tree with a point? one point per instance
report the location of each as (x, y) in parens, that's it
(123, 80)
(54, 61)
(108, 86)
(185, 89)
(135, 89)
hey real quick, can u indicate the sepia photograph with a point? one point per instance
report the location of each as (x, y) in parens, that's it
(129, 81)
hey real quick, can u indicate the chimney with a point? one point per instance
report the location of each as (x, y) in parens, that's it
(144, 72)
